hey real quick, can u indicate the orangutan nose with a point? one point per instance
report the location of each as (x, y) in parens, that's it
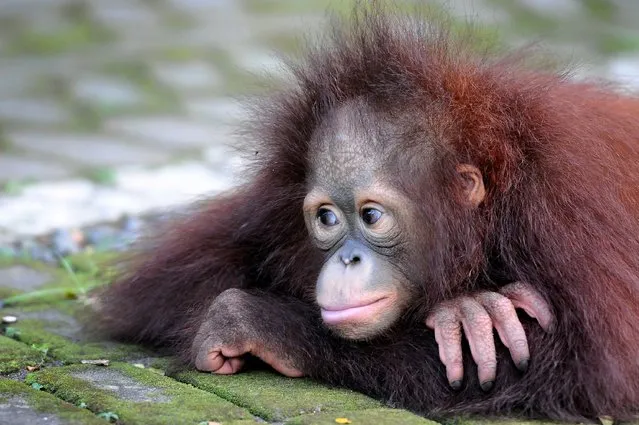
(350, 253)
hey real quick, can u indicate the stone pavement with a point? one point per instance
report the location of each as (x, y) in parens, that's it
(126, 106)
(51, 371)
(112, 107)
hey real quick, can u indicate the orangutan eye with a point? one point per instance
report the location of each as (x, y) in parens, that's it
(370, 216)
(327, 217)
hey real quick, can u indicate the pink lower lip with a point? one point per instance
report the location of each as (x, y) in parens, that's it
(351, 313)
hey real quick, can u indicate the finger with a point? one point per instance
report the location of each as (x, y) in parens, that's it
(225, 360)
(448, 336)
(209, 360)
(478, 328)
(279, 364)
(229, 366)
(505, 320)
(530, 300)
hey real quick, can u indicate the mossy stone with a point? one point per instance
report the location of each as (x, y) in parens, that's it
(42, 402)
(184, 405)
(275, 397)
(15, 355)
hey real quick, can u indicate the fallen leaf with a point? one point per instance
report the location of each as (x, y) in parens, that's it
(343, 420)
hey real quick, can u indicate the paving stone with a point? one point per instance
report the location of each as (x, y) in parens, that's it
(20, 404)
(16, 411)
(125, 387)
(34, 111)
(15, 82)
(54, 324)
(217, 109)
(23, 278)
(176, 184)
(197, 6)
(107, 92)
(503, 421)
(188, 76)
(13, 167)
(137, 396)
(261, 62)
(43, 207)
(15, 356)
(624, 69)
(120, 14)
(275, 397)
(169, 131)
(90, 150)
(370, 416)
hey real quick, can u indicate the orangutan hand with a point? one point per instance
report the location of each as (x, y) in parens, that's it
(478, 314)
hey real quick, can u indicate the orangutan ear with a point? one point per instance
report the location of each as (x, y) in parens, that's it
(474, 190)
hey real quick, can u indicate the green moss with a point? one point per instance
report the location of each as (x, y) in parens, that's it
(157, 97)
(42, 333)
(275, 397)
(74, 36)
(602, 9)
(527, 19)
(613, 44)
(496, 421)
(44, 402)
(185, 405)
(381, 416)
(15, 355)
(104, 176)
(14, 187)
(5, 143)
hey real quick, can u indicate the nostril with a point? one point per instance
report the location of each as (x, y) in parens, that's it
(350, 260)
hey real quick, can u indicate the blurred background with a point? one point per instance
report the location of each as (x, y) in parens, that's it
(115, 109)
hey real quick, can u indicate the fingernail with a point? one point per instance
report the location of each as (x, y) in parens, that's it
(487, 386)
(456, 384)
(523, 365)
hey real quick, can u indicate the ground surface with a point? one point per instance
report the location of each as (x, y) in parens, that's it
(110, 109)
(48, 370)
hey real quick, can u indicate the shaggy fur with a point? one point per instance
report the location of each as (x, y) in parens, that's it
(560, 161)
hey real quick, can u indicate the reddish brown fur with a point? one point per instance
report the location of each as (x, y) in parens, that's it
(560, 160)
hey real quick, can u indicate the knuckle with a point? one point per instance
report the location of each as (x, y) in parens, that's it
(503, 309)
(232, 295)
(450, 331)
(520, 344)
(480, 320)
(445, 312)
(488, 364)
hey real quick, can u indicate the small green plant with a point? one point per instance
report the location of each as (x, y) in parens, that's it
(74, 278)
(104, 176)
(15, 187)
(37, 386)
(109, 416)
(11, 332)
